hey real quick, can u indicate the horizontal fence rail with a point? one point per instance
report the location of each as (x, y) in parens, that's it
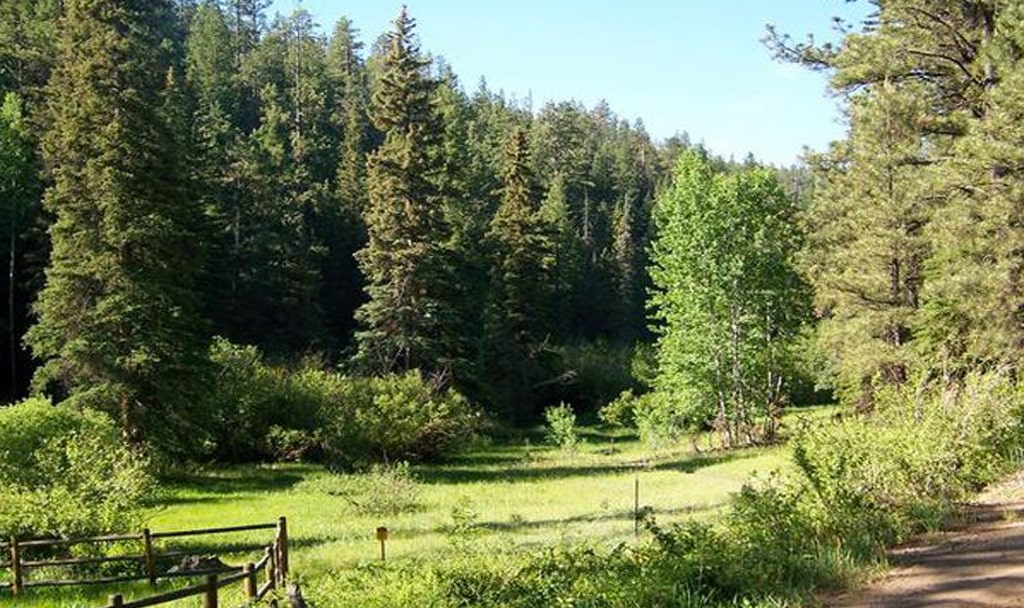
(273, 565)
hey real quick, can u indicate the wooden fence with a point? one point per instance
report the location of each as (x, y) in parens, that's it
(273, 565)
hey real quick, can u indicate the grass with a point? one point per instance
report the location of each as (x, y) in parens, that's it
(521, 494)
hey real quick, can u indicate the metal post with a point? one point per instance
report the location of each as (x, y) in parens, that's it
(636, 505)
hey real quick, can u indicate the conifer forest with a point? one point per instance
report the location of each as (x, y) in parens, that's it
(232, 238)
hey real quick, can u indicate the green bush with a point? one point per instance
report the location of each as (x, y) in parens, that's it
(561, 427)
(65, 472)
(307, 412)
(659, 418)
(383, 490)
(389, 419)
(254, 406)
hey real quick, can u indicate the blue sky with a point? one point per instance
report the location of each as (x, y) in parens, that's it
(679, 65)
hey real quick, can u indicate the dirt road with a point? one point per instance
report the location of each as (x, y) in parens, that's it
(979, 565)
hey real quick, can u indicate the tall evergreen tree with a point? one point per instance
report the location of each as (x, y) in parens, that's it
(409, 321)
(517, 323)
(117, 322)
(868, 243)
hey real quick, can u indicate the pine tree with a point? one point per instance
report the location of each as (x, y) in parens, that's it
(117, 323)
(409, 321)
(517, 323)
(868, 243)
(974, 290)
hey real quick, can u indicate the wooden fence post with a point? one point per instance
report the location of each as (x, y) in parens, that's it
(16, 578)
(147, 545)
(115, 601)
(271, 569)
(282, 542)
(250, 580)
(210, 598)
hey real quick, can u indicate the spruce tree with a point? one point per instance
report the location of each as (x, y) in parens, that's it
(410, 320)
(517, 324)
(117, 323)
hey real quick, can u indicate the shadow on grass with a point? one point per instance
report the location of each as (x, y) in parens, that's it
(619, 515)
(522, 472)
(230, 481)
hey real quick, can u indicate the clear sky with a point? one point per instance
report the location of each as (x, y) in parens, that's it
(679, 65)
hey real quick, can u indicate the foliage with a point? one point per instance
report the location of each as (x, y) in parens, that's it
(254, 407)
(118, 325)
(561, 427)
(659, 418)
(388, 419)
(272, 412)
(727, 296)
(384, 489)
(64, 472)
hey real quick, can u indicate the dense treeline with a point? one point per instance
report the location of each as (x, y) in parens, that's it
(175, 171)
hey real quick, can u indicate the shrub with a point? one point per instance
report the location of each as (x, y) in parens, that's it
(383, 490)
(657, 417)
(248, 399)
(561, 427)
(65, 472)
(367, 420)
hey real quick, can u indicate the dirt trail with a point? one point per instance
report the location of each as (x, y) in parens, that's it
(979, 564)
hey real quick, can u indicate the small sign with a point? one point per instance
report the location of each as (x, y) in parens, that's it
(382, 534)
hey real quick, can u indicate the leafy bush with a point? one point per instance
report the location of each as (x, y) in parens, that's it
(65, 472)
(366, 420)
(249, 398)
(561, 427)
(383, 490)
(309, 412)
(657, 417)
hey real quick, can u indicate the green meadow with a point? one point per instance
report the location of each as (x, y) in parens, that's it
(518, 495)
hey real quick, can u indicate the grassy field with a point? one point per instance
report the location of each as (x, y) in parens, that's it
(519, 494)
